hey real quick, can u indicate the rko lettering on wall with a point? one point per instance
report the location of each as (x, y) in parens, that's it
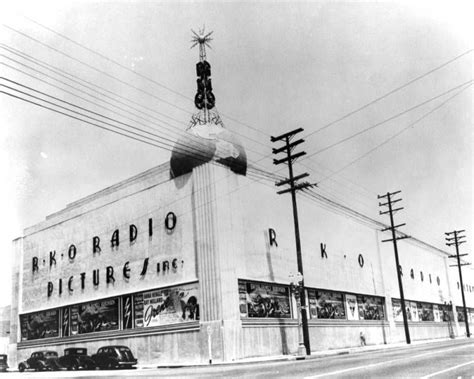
(108, 274)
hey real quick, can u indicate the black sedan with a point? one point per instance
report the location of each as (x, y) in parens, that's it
(76, 358)
(40, 361)
(112, 357)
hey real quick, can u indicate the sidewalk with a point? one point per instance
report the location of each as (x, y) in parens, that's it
(314, 355)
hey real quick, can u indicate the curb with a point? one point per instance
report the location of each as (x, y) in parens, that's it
(314, 355)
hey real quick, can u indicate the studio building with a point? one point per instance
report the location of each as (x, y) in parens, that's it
(191, 261)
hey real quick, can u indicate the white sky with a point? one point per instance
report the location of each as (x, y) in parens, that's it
(275, 67)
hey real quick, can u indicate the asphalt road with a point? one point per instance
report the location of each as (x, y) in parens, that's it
(449, 359)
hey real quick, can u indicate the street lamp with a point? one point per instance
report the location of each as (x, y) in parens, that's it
(296, 287)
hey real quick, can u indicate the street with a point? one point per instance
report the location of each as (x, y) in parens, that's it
(447, 359)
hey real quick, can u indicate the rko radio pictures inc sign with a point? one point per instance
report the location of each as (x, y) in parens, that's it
(109, 274)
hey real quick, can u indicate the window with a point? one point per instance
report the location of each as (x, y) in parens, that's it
(328, 304)
(264, 300)
(425, 312)
(39, 325)
(370, 307)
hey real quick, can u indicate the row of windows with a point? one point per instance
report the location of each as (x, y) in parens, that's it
(268, 300)
(139, 310)
(263, 300)
(180, 303)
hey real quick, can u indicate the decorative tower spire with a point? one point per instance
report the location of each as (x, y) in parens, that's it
(204, 100)
(203, 41)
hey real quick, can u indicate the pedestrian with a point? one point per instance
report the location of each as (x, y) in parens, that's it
(362, 339)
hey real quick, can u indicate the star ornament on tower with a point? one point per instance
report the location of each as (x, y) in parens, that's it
(201, 38)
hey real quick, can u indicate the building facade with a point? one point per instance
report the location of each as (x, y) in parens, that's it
(198, 267)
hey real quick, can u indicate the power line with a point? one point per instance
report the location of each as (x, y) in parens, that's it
(108, 59)
(96, 69)
(77, 118)
(196, 151)
(395, 135)
(68, 76)
(76, 89)
(387, 120)
(390, 92)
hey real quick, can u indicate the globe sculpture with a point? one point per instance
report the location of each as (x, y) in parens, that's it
(205, 143)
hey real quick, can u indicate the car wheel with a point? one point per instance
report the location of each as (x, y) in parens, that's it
(74, 367)
(21, 368)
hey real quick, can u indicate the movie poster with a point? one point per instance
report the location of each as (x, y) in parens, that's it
(96, 316)
(370, 307)
(167, 306)
(242, 299)
(266, 300)
(425, 312)
(352, 308)
(330, 305)
(38, 325)
(313, 304)
(412, 311)
(397, 310)
(436, 313)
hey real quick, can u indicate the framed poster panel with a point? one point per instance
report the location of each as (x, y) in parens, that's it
(370, 307)
(352, 308)
(167, 306)
(330, 304)
(265, 300)
(95, 316)
(43, 324)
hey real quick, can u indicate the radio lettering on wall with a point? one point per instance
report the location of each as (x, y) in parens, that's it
(170, 221)
(95, 245)
(115, 240)
(133, 232)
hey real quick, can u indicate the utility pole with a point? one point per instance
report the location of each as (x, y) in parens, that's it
(393, 227)
(455, 238)
(288, 148)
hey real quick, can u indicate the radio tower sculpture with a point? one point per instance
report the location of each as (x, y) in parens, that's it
(204, 100)
(206, 139)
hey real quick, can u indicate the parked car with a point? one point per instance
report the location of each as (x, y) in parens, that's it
(40, 360)
(76, 358)
(111, 357)
(3, 362)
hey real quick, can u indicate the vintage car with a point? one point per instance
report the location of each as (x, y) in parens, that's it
(40, 360)
(112, 357)
(76, 358)
(3, 362)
